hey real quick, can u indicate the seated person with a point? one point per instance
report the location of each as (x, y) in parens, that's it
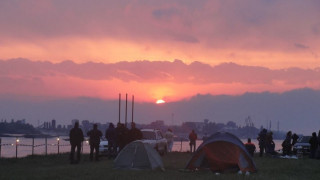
(270, 146)
(251, 148)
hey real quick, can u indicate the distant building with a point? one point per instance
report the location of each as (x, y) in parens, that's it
(86, 125)
(197, 126)
(23, 121)
(53, 124)
(45, 125)
(69, 127)
(73, 121)
(158, 124)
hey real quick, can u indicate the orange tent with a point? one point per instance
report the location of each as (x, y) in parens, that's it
(222, 152)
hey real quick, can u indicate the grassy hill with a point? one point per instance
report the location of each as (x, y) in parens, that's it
(58, 167)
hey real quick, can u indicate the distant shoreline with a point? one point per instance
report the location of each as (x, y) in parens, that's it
(27, 135)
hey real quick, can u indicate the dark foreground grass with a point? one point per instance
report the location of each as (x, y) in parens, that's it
(58, 167)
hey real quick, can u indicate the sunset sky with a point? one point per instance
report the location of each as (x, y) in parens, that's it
(169, 49)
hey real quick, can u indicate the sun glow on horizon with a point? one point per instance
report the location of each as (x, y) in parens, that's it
(160, 101)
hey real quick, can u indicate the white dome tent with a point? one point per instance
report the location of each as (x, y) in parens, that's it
(138, 155)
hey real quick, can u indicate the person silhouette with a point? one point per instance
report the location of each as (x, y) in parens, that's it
(111, 137)
(94, 140)
(193, 137)
(262, 141)
(76, 138)
(121, 136)
(251, 148)
(313, 145)
(134, 133)
(286, 144)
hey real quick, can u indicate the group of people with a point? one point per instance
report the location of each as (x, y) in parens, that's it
(120, 136)
(315, 145)
(267, 145)
(288, 143)
(117, 139)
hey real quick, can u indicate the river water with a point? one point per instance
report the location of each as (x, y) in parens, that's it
(184, 147)
(24, 148)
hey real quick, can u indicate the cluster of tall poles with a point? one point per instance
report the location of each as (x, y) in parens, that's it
(126, 110)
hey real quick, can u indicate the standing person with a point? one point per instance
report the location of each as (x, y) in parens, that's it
(121, 136)
(111, 137)
(286, 144)
(270, 144)
(193, 137)
(251, 148)
(169, 137)
(318, 150)
(134, 133)
(76, 138)
(94, 140)
(262, 141)
(313, 145)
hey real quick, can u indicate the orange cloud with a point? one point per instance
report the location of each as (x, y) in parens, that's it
(147, 80)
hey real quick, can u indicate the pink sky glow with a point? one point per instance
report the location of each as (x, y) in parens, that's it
(169, 49)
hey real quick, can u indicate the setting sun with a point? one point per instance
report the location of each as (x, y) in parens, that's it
(160, 101)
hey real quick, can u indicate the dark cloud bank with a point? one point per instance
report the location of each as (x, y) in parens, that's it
(296, 110)
(159, 71)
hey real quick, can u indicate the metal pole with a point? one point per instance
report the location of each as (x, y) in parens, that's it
(0, 147)
(46, 145)
(17, 140)
(119, 106)
(132, 107)
(58, 145)
(32, 146)
(126, 109)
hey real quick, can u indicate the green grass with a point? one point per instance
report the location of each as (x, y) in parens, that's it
(58, 167)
